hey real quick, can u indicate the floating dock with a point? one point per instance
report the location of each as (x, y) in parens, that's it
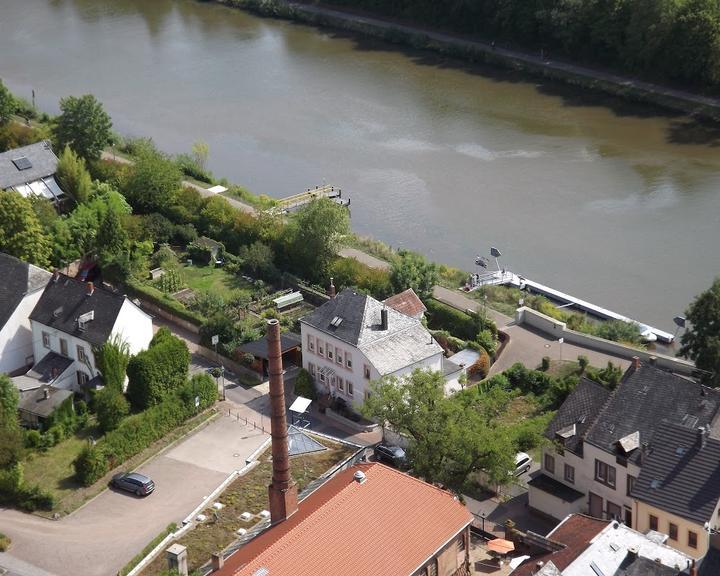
(295, 201)
(507, 278)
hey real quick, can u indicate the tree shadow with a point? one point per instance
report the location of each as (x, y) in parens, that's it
(692, 131)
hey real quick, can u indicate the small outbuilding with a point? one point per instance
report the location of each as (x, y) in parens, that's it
(290, 347)
(37, 405)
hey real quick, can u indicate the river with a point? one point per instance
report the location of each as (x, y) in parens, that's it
(616, 204)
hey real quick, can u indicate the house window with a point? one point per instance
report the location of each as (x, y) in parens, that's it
(550, 463)
(630, 484)
(605, 473)
(350, 388)
(311, 369)
(614, 511)
(46, 339)
(340, 385)
(692, 539)
(321, 347)
(366, 372)
(653, 522)
(432, 569)
(82, 378)
(330, 352)
(569, 473)
(311, 343)
(63, 347)
(348, 361)
(322, 376)
(81, 355)
(338, 356)
(367, 395)
(673, 531)
(333, 381)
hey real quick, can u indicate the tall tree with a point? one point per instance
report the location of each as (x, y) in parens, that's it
(315, 235)
(7, 104)
(21, 234)
(154, 182)
(412, 270)
(112, 360)
(73, 177)
(11, 438)
(83, 125)
(112, 240)
(701, 342)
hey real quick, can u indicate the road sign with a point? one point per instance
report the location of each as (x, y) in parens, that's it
(197, 401)
(215, 339)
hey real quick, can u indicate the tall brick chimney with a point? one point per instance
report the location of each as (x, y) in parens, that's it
(282, 491)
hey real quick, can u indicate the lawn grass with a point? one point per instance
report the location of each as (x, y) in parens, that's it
(249, 493)
(216, 280)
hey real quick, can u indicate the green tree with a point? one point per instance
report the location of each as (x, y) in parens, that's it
(73, 177)
(111, 241)
(412, 270)
(7, 104)
(154, 181)
(112, 360)
(21, 234)
(314, 236)
(258, 260)
(701, 342)
(200, 152)
(9, 399)
(11, 438)
(83, 125)
(111, 407)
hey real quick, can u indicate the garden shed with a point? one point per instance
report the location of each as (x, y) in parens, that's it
(289, 345)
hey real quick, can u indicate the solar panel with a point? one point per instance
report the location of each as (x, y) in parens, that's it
(22, 163)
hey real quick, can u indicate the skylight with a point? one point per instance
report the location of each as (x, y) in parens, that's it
(335, 322)
(22, 163)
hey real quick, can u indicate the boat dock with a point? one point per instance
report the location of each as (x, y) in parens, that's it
(507, 278)
(295, 201)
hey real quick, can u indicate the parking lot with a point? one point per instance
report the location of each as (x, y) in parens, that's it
(105, 534)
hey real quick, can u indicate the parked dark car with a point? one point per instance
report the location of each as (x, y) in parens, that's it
(138, 484)
(393, 455)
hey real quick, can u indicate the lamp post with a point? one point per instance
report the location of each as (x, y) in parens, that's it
(495, 253)
(482, 516)
(680, 322)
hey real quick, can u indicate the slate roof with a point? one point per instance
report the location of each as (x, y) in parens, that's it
(408, 303)
(65, 299)
(580, 408)
(557, 489)
(18, 279)
(44, 163)
(710, 564)
(390, 524)
(35, 402)
(645, 397)
(405, 342)
(259, 347)
(48, 369)
(679, 476)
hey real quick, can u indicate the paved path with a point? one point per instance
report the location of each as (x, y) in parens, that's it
(457, 300)
(364, 258)
(204, 192)
(106, 533)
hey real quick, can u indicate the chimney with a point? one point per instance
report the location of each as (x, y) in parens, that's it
(632, 553)
(652, 360)
(90, 288)
(282, 491)
(702, 436)
(46, 393)
(331, 289)
(383, 319)
(644, 452)
(693, 568)
(635, 362)
(217, 561)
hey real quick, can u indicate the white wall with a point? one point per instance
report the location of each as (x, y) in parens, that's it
(134, 326)
(16, 341)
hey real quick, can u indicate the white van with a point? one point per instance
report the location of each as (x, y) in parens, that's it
(523, 462)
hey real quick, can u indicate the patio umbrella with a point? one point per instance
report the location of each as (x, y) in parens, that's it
(501, 546)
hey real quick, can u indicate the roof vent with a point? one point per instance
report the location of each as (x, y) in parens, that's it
(359, 477)
(57, 311)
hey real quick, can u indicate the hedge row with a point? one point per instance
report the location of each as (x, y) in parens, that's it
(14, 490)
(443, 317)
(137, 432)
(155, 296)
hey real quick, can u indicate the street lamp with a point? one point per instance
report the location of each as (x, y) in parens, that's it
(495, 253)
(482, 516)
(680, 322)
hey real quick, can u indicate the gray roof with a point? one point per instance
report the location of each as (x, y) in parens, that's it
(35, 402)
(48, 369)
(65, 299)
(580, 410)
(259, 348)
(18, 279)
(557, 489)
(43, 163)
(679, 475)
(405, 342)
(645, 397)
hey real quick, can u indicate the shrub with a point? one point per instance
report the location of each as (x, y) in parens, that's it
(481, 366)
(583, 362)
(487, 340)
(304, 385)
(247, 359)
(111, 407)
(170, 282)
(90, 465)
(32, 439)
(4, 542)
(545, 364)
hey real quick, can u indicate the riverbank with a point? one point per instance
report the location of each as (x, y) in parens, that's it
(476, 51)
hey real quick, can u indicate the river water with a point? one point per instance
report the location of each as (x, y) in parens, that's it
(616, 204)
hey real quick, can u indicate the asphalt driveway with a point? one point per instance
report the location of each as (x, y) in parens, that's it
(105, 534)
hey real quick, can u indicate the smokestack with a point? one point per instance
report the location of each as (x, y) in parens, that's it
(90, 288)
(282, 491)
(383, 319)
(331, 289)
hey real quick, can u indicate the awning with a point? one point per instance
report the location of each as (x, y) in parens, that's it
(501, 546)
(300, 405)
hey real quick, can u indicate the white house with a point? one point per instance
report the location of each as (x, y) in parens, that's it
(69, 321)
(30, 170)
(21, 286)
(601, 440)
(354, 339)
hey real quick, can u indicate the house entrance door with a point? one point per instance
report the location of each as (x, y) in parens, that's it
(596, 505)
(628, 517)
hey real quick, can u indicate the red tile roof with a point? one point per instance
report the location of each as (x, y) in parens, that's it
(390, 524)
(407, 303)
(576, 532)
